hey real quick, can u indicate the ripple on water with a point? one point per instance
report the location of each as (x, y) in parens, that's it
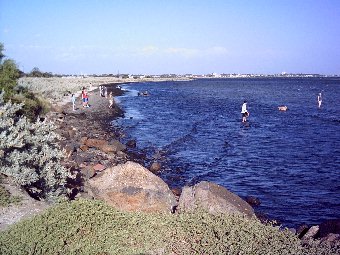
(288, 159)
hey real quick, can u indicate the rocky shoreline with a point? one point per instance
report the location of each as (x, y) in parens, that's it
(102, 168)
(105, 170)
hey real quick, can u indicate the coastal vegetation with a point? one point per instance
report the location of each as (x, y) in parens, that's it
(28, 150)
(33, 106)
(92, 227)
(29, 153)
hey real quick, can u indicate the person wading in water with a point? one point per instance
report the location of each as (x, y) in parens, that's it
(244, 112)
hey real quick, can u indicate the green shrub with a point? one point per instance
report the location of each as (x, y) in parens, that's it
(91, 227)
(32, 105)
(29, 153)
(9, 74)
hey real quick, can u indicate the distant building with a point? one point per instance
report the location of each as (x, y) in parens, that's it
(216, 75)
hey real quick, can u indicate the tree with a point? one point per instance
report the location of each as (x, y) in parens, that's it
(9, 73)
(1, 52)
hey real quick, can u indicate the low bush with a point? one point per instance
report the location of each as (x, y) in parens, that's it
(33, 106)
(91, 227)
(29, 153)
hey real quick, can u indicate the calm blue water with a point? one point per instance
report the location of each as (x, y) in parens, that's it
(290, 160)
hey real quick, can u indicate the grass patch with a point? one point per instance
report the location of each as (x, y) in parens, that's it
(6, 198)
(91, 227)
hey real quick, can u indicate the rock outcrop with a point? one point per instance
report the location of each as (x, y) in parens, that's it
(330, 226)
(131, 187)
(212, 198)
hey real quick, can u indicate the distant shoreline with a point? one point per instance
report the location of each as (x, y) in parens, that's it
(57, 90)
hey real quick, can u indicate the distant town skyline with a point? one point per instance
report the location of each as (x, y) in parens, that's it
(172, 37)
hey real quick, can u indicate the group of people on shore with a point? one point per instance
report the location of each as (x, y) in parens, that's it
(85, 97)
(245, 113)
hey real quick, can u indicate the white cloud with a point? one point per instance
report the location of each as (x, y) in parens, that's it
(217, 50)
(148, 50)
(186, 52)
(192, 52)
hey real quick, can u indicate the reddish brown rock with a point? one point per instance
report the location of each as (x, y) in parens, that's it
(97, 143)
(131, 187)
(177, 191)
(99, 167)
(84, 147)
(83, 140)
(212, 198)
(108, 148)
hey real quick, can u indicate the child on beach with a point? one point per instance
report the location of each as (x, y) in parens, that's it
(73, 99)
(85, 98)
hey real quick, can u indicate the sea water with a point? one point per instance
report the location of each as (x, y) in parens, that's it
(289, 160)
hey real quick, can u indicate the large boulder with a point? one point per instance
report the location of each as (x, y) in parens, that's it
(131, 187)
(330, 226)
(212, 198)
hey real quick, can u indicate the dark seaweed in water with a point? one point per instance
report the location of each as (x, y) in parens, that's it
(290, 160)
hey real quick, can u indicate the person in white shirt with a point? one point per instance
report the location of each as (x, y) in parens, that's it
(244, 112)
(73, 99)
(319, 100)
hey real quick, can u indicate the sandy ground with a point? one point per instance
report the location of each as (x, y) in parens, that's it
(28, 207)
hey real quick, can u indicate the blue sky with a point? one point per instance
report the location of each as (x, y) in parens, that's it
(188, 36)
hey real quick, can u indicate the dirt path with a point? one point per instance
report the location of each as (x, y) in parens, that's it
(28, 207)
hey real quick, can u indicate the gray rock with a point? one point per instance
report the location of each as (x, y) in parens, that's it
(311, 233)
(131, 187)
(302, 230)
(212, 198)
(118, 145)
(331, 239)
(155, 167)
